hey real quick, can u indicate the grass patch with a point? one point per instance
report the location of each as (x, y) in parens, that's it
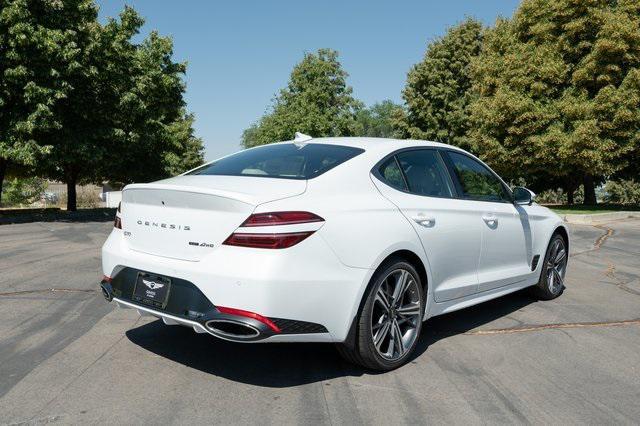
(600, 208)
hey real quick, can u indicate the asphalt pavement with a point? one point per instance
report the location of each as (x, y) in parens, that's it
(67, 356)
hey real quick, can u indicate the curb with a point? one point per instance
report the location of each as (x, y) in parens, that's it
(595, 218)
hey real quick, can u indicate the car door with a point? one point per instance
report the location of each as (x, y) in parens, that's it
(418, 183)
(506, 235)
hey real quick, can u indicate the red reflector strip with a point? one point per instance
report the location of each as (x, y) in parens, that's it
(247, 314)
(267, 241)
(281, 218)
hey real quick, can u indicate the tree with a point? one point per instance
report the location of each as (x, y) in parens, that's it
(187, 151)
(378, 120)
(36, 47)
(119, 110)
(558, 91)
(317, 101)
(437, 93)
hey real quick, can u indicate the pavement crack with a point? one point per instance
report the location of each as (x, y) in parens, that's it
(48, 290)
(608, 232)
(553, 326)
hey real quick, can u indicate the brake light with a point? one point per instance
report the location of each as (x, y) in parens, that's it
(247, 314)
(267, 241)
(117, 223)
(281, 218)
(274, 240)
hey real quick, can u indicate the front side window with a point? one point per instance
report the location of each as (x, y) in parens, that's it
(286, 161)
(476, 181)
(425, 173)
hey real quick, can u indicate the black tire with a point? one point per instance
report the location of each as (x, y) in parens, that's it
(549, 286)
(362, 349)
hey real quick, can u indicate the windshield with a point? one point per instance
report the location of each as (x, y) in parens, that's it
(286, 161)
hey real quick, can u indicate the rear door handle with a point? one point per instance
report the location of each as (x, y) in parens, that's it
(425, 221)
(490, 219)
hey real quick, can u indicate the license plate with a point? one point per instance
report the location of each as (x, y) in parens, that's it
(152, 290)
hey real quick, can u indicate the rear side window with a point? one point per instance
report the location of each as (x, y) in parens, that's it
(476, 181)
(390, 172)
(285, 161)
(425, 173)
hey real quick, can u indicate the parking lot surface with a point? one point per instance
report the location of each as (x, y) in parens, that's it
(67, 356)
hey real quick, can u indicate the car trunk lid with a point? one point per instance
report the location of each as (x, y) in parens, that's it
(187, 217)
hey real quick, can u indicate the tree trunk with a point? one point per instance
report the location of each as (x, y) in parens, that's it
(570, 189)
(589, 191)
(3, 169)
(71, 194)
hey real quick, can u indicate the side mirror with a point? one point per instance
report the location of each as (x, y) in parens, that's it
(523, 196)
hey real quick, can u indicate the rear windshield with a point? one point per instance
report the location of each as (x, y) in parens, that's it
(286, 161)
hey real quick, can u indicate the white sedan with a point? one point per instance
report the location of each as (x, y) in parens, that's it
(355, 241)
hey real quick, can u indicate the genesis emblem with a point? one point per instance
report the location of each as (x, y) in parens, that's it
(152, 284)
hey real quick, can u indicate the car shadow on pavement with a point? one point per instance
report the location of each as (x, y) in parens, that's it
(291, 364)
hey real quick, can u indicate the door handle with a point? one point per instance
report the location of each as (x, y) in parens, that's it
(425, 221)
(490, 219)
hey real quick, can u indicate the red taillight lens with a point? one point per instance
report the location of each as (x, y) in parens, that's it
(117, 223)
(274, 240)
(267, 241)
(281, 218)
(247, 314)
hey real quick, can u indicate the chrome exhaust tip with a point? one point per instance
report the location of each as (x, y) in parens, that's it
(107, 291)
(232, 330)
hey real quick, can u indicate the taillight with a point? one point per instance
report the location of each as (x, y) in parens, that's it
(281, 218)
(275, 240)
(117, 223)
(267, 241)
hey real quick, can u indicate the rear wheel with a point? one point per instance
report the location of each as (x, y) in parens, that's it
(551, 284)
(390, 321)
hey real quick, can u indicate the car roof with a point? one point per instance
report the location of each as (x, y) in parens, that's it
(375, 144)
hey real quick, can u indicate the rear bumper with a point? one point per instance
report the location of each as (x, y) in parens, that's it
(305, 290)
(189, 307)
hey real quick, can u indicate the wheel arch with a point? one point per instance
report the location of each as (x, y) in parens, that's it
(401, 254)
(562, 231)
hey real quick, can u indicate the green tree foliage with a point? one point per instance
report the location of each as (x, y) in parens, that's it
(92, 105)
(23, 191)
(378, 120)
(558, 91)
(317, 101)
(622, 192)
(187, 151)
(437, 93)
(35, 49)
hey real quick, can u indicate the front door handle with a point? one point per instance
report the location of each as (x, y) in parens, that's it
(490, 219)
(426, 221)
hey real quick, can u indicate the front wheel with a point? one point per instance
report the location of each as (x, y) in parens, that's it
(390, 321)
(551, 284)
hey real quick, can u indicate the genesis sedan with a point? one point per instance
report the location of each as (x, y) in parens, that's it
(355, 241)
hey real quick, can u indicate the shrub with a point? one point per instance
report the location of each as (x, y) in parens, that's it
(19, 192)
(622, 192)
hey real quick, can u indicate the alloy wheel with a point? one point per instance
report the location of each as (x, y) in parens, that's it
(556, 266)
(397, 312)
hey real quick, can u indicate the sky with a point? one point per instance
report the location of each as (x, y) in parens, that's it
(240, 53)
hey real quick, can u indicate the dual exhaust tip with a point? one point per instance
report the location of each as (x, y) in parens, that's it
(107, 290)
(236, 330)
